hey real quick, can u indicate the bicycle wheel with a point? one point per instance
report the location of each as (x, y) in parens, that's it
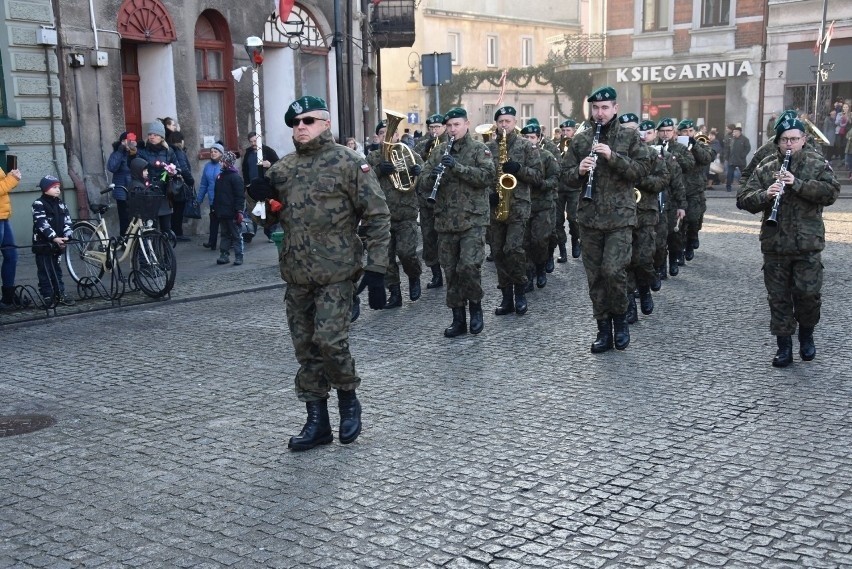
(154, 263)
(86, 269)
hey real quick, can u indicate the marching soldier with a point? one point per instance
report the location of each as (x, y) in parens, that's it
(567, 199)
(403, 209)
(792, 245)
(429, 143)
(544, 142)
(513, 155)
(462, 172)
(769, 148)
(695, 180)
(686, 162)
(542, 208)
(618, 160)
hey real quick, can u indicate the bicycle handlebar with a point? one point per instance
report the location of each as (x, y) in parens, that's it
(111, 187)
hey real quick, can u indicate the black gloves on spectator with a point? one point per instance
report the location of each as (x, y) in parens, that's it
(415, 170)
(511, 167)
(386, 168)
(260, 189)
(375, 284)
(448, 161)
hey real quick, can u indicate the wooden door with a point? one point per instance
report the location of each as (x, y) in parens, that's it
(130, 90)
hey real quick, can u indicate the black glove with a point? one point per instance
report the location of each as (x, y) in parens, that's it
(386, 168)
(448, 161)
(415, 170)
(691, 142)
(511, 167)
(260, 189)
(375, 284)
(493, 198)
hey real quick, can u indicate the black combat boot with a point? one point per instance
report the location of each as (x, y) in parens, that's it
(621, 331)
(437, 277)
(603, 343)
(784, 355)
(807, 349)
(576, 249)
(681, 260)
(529, 287)
(541, 275)
(632, 315)
(7, 301)
(646, 301)
(657, 284)
(490, 257)
(549, 266)
(476, 323)
(563, 254)
(350, 416)
(414, 288)
(459, 325)
(317, 429)
(356, 308)
(507, 306)
(664, 274)
(395, 300)
(674, 269)
(693, 242)
(520, 300)
(689, 254)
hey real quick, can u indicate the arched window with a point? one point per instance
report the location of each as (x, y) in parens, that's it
(213, 62)
(302, 33)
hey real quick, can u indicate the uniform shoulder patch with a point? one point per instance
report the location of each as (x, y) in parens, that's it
(365, 167)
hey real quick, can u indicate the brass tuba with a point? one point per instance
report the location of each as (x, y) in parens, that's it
(399, 154)
(505, 182)
(815, 132)
(486, 131)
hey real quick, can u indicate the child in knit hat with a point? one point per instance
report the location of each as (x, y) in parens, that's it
(51, 230)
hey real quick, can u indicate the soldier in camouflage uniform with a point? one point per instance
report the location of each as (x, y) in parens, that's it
(319, 194)
(436, 135)
(542, 210)
(686, 162)
(769, 148)
(695, 180)
(545, 143)
(461, 214)
(403, 209)
(567, 199)
(507, 237)
(619, 160)
(792, 260)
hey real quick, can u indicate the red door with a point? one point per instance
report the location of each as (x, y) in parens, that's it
(130, 90)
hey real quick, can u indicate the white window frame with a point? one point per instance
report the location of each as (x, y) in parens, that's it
(527, 51)
(488, 110)
(492, 49)
(554, 119)
(454, 46)
(527, 112)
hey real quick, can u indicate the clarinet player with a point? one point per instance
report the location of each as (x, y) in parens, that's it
(792, 246)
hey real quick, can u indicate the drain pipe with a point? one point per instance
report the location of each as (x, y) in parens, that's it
(52, 113)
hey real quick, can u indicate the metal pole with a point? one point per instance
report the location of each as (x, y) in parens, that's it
(819, 62)
(341, 88)
(255, 86)
(437, 91)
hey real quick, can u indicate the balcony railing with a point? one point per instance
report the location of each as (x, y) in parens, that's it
(582, 48)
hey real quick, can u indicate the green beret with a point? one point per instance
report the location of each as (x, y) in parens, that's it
(685, 123)
(788, 114)
(533, 120)
(532, 128)
(788, 124)
(455, 113)
(381, 125)
(646, 125)
(303, 105)
(602, 94)
(628, 117)
(665, 123)
(568, 123)
(435, 119)
(505, 111)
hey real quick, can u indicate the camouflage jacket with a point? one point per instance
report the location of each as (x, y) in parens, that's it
(543, 195)
(326, 190)
(424, 149)
(695, 178)
(403, 205)
(520, 150)
(768, 149)
(800, 227)
(564, 189)
(462, 198)
(612, 204)
(676, 192)
(650, 186)
(550, 146)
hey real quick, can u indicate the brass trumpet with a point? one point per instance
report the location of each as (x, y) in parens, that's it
(399, 154)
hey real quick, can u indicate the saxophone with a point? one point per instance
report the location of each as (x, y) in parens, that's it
(505, 182)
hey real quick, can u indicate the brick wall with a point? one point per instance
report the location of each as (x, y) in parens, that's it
(682, 11)
(619, 46)
(681, 41)
(622, 18)
(749, 34)
(750, 8)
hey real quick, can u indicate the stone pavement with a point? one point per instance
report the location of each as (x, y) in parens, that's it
(515, 448)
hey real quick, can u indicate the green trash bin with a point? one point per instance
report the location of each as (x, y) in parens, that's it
(278, 237)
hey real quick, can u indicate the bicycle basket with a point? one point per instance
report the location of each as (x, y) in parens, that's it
(144, 204)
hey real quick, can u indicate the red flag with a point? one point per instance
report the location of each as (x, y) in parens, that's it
(502, 87)
(284, 9)
(376, 2)
(828, 36)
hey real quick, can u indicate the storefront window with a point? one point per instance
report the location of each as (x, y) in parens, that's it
(655, 15)
(715, 13)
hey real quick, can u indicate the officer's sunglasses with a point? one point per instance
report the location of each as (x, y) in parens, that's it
(308, 121)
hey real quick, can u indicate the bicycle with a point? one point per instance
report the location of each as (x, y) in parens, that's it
(91, 252)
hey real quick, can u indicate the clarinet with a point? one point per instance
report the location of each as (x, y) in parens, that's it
(590, 184)
(433, 197)
(773, 216)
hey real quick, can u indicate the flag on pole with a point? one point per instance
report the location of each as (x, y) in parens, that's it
(284, 9)
(828, 36)
(502, 87)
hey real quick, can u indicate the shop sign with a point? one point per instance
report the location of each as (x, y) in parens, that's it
(685, 72)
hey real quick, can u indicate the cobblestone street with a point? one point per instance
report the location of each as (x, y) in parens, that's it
(511, 449)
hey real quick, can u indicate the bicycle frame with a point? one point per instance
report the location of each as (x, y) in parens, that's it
(106, 258)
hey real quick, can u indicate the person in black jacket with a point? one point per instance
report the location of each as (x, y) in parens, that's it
(229, 200)
(51, 230)
(158, 154)
(175, 140)
(251, 169)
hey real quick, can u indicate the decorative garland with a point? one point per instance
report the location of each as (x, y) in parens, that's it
(575, 84)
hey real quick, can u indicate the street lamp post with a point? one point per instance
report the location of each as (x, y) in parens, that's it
(254, 48)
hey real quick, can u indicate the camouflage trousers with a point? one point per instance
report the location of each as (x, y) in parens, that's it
(793, 284)
(403, 244)
(507, 245)
(318, 318)
(661, 239)
(640, 272)
(537, 235)
(696, 205)
(462, 255)
(606, 254)
(430, 236)
(566, 208)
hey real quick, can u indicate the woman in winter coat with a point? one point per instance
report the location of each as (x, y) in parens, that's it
(123, 151)
(228, 202)
(207, 187)
(158, 155)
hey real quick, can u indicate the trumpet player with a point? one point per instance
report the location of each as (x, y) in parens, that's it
(403, 207)
(461, 215)
(695, 179)
(619, 161)
(567, 199)
(434, 137)
(517, 163)
(686, 162)
(792, 260)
